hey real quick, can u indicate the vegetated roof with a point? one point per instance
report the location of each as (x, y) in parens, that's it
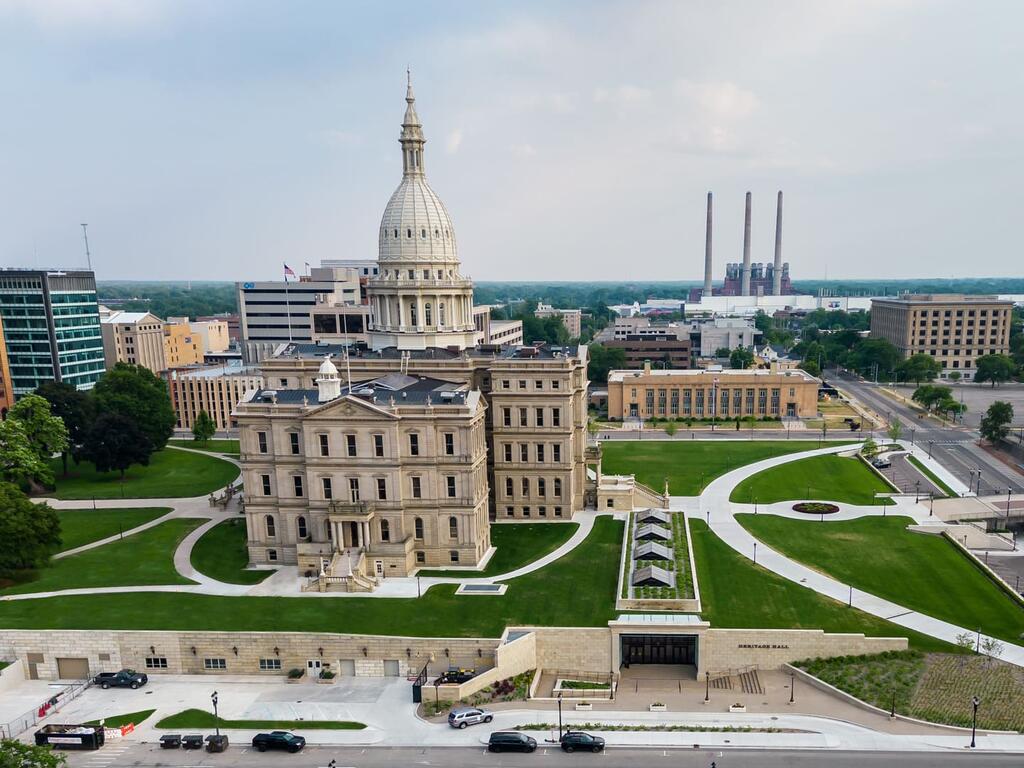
(653, 576)
(652, 550)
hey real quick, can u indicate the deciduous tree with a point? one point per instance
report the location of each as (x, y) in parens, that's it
(116, 442)
(918, 368)
(137, 394)
(995, 369)
(995, 424)
(30, 532)
(741, 358)
(203, 427)
(19, 461)
(46, 433)
(76, 410)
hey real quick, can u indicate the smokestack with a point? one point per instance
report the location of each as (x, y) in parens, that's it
(777, 272)
(708, 267)
(745, 272)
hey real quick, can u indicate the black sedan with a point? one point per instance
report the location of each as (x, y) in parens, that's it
(289, 742)
(573, 740)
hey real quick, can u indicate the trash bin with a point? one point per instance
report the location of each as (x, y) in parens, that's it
(170, 741)
(216, 743)
(192, 741)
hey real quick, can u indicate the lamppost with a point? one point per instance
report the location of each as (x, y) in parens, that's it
(755, 553)
(707, 687)
(912, 430)
(419, 592)
(755, 505)
(917, 491)
(931, 503)
(974, 723)
(559, 715)
(216, 720)
(979, 481)
(930, 448)
(792, 685)
(970, 481)
(1009, 492)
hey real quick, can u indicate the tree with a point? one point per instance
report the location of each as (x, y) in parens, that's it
(46, 433)
(995, 424)
(602, 360)
(965, 642)
(30, 532)
(14, 754)
(723, 352)
(741, 358)
(930, 395)
(895, 430)
(203, 428)
(19, 461)
(918, 368)
(671, 428)
(954, 376)
(811, 367)
(136, 393)
(871, 352)
(992, 648)
(116, 442)
(75, 408)
(996, 369)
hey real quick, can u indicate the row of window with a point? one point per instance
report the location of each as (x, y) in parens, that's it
(538, 417)
(541, 511)
(266, 665)
(302, 528)
(537, 384)
(352, 444)
(542, 487)
(540, 452)
(408, 235)
(354, 492)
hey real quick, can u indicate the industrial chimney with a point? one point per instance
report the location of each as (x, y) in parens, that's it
(777, 271)
(708, 267)
(745, 272)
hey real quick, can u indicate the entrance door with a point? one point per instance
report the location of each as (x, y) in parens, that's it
(659, 649)
(378, 567)
(313, 667)
(633, 410)
(73, 669)
(353, 533)
(791, 410)
(347, 667)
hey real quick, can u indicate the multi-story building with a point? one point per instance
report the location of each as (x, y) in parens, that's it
(491, 331)
(722, 333)
(642, 341)
(182, 346)
(52, 327)
(136, 338)
(955, 329)
(343, 324)
(6, 392)
(213, 334)
(216, 390)
(232, 319)
(571, 318)
(711, 394)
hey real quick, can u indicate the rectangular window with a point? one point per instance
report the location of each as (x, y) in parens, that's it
(674, 402)
(558, 488)
(414, 444)
(540, 416)
(538, 384)
(542, 511)
(522, 417)
(421, 557)
(215, 664)
(541, 487)
(328, 490)
(324, 447)
(293, 438)
(378, 446)
(508, 452)
(350, 443)
(526, 487)
(453, 556)
(554, 384)
(382, 489)
(558, 511)
(556, 416)
(297, 482)
(261, 442)
(526, 511)
(353, 489)
(505, 384)
(700, 402)
(156, 662)
(522, 383)
(524, 452)
(451, 486)
(508, 487)
(265, 480)
(687, 402)
(449, 444)
(416, 489)
(510, 511)
(540, 453)
(270, 665)
(556, 452)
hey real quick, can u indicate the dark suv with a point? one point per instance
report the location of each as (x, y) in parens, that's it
(289, 742)
(511, 741)
(573, 740)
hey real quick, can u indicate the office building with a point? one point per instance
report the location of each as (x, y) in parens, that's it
(212, 335)
(491, 331)
(216, 390)
(182, 346)
(51, 327)
(136, 338)
(234, 323)
(6, 390)
(955, 329)
(571, 318)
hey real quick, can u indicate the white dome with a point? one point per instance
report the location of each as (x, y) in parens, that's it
(327, 369)
(416, 226)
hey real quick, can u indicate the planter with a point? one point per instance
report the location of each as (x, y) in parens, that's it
(815, 508)
(327, 680)
(584, 705)
(658, 708)
(737, 708)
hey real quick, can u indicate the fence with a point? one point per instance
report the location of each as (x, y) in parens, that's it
(47, 708)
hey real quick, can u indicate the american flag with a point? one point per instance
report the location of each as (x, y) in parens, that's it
(288, 271)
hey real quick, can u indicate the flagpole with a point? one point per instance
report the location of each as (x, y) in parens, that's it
(348, 365)
(287, 306)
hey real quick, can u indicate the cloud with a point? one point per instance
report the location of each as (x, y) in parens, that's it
(106, 15)
(453, 142)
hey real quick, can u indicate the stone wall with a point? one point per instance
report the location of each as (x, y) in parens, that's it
(581, 649)
(510, 659)
(725, 649)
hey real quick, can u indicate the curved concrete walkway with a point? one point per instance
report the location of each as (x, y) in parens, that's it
(714, 506)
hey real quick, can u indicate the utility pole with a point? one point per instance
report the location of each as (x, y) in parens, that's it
(88, 256)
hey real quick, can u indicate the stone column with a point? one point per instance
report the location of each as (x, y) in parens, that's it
(365, 535)
(401, 313)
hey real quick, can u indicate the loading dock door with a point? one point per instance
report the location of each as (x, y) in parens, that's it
(73, 669)
(391, 668)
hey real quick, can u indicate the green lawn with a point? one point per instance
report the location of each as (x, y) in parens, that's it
(170, 474)
(736, 593)
(145, 558)
(689, 465)
(516, 544)
(116, 721)
(83, 526)
(828, 478)
(922, 572)
(213, 446)
(933, 477)
(221, 554)
(578, 590)
(200, 718)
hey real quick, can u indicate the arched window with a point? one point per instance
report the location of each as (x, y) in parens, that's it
(418, 527)
(408, 232)
(453, 527)
(446, 233)
(396, 232)
(300, 524)
(385, 530)
(437, 233)
(328, 530)
(440, 314)
(427, 314)
(271, 528)
(423, 233)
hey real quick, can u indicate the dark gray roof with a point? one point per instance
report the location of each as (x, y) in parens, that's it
(648, 532)
(652, 550)
(653, 576)
(654, 516)
(309, 350)
(404, 389)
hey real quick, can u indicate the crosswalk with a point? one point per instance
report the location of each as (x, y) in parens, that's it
(105, 756)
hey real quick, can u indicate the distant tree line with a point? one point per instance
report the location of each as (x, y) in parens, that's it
(171, 299)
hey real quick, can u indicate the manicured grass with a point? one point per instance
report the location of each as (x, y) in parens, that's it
(680, 565)
(933, 477)
(200, 718)
(688, 465)
(170, 474)
(213, 446)
(922, 572)
(132, 718)
(516, 545)
(221, 554)
(145, 558)
(577, 591)
(827, 478)
(584, 685)
(84, 526)
(736, 593)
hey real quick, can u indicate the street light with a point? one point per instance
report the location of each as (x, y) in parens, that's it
(912, 430)
(707, 687)
(216, 720)
(559, 715)
(979, 481)
(974, 724)
(930, 448)
(755, 553)
(792, 685)
(917, 491)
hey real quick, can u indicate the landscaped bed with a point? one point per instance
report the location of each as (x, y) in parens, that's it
(221, 554)
(658, 728)
(932, 476)
(815, 508)
(84, 526)
(680, 566)
(118, 721)
(516, 545)
(200, 718)
(922, 572)
(829, 478)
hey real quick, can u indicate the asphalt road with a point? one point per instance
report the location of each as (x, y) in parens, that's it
(149, 756)
(953, 447)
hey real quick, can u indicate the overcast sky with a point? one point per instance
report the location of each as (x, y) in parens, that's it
(569, 140)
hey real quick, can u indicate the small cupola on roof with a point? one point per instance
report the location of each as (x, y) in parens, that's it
(328, 384)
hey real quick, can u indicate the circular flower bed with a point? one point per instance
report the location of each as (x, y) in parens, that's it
(815, 508)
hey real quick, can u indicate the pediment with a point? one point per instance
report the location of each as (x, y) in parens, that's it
(350, 407)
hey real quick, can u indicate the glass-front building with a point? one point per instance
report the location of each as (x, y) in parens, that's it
(52, 329)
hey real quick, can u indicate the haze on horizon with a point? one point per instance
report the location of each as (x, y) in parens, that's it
(569, 140)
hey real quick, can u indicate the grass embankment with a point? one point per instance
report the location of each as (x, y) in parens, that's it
(170, 474)
(200, 718)
(827, 478)
(736, 593)
(210, 446)
(516, 545)
(578, 590)
(950, 493)
(689, 466)
(117, 721)
(221, 554)
(84, 526)
(934, 687)
(144, 559)
(879, 555)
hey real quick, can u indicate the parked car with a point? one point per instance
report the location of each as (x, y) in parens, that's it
(573, 740)
(511, 741)
(285, 740)
(882, 462)
(463, 716)
(126, 678)
(456, 675)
